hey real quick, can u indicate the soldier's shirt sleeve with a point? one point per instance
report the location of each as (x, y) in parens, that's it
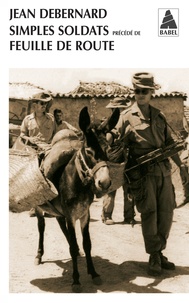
(123, 128)
(24, 128)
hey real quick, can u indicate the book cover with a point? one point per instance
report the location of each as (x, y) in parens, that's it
(85, 54)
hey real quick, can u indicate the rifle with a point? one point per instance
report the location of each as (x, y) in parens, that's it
(159, 154)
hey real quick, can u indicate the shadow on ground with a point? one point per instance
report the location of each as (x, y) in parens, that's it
(116, 278)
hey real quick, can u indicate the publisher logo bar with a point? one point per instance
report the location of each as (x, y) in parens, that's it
(168, 25)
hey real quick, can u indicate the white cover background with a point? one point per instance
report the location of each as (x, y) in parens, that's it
(147, 52)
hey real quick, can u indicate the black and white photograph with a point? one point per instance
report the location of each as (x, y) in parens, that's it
(124, 200)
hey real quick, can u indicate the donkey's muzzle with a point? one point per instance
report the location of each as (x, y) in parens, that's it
(102, 181)
(104, 185)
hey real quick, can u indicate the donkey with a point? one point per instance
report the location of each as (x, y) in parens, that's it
(85, 175)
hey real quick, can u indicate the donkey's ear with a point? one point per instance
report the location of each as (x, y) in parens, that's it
(84, 119)
(111, 122)
(114, 118)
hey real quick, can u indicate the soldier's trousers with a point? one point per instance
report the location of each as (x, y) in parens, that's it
(156, 206)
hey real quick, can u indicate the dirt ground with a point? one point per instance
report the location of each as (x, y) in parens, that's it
(117, 250)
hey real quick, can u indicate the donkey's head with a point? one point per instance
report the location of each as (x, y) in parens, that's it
(96, 145)
(95, 133)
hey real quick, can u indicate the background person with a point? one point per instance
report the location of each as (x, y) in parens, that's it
(61, 124)
(185, 158)
(116, 155)
(23, 113)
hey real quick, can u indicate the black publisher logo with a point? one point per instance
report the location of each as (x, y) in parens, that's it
(168, 22)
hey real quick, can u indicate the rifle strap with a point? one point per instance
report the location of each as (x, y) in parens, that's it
(176, 133)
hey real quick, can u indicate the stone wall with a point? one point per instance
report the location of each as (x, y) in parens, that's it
(172, 107)
(71, 108)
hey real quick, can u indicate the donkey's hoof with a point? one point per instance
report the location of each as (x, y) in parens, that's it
(76, 288)
(97, 280)
(37, 261)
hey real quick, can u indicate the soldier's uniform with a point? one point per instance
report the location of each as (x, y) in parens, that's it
(151, 183)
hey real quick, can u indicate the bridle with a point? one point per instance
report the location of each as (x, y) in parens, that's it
(85, 173)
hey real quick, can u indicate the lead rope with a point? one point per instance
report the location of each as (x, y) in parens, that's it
(85, 175)
(176, 133)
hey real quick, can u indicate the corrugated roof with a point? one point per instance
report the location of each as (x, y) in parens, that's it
(171, 94)
(121, 94)
(99, 89)
(96, 89)
(111, 90)
(23, 91)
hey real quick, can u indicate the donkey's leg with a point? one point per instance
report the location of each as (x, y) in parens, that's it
(63, 226)
(76, 286)
(62, 223)
(87, 248)
(41, 229)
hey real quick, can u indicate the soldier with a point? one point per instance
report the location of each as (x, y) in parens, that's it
(145, 130)
(38, 127)
(61, 124)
